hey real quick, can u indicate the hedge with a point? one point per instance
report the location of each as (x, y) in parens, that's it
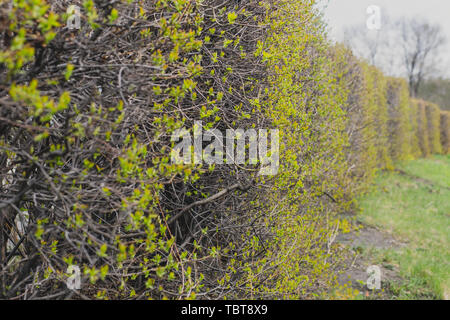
(415, 134)
(433, 120)
(423, 129)
(399, 123)
(86, 121)
(445, 131)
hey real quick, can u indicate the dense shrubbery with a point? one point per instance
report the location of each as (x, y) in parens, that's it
(436, 90)
(86, 118)
(445, 131)
(433, 120)
(422, 127)
(399, 123)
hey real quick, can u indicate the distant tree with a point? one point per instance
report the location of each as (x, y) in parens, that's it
(373, 45)
(405, 47)
(420, 42)
(364, 42)
(370, 46)
(436, 90)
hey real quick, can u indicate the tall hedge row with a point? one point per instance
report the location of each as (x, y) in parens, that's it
(434, 132)
(399, 123)
(445, 131)
(415, 123)
(423, 128)
(86, 120)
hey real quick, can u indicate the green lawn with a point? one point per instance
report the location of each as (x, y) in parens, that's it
(414, 204)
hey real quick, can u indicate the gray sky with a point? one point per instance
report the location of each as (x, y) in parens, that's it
(342, 13)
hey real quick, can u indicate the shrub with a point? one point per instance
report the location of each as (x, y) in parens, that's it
(399, 125)
(414, 134)
(445, 131)
(87, 117)
(422, 126)
(86, 121)
(378, 114)
(360, 155)
(304, 102)
(433, 120)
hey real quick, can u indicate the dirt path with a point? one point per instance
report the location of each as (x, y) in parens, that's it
(361, 242)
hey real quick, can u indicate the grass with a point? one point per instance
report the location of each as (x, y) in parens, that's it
(414, 205)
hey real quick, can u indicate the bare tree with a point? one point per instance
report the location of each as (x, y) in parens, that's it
(374, 45)
(405, 47)
(420, 43)
(365, 43)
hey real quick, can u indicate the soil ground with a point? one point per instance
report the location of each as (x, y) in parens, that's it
(360, 242)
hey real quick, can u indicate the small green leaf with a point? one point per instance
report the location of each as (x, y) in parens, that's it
(232, 17)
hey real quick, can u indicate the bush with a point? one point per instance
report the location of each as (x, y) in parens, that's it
(445, 131)
(399, 123)
(422, 126)
(433, 120)
(86, 123)
(360, 155)
(379, 115)
(414, 125)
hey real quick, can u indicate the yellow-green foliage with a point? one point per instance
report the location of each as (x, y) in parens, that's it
(367, 115)
(377, 113)
(87, 147)
(445, 131)
(304, 102)
(422, 128)
(99, 157)
(414, 122)
(360, 153)
(434, 121)
(399, 123)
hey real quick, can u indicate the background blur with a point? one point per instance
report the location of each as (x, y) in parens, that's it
(384, 47)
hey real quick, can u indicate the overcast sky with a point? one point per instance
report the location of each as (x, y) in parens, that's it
(342, 13)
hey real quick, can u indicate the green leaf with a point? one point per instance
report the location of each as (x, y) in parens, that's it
(69, 70)
(232, 17)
